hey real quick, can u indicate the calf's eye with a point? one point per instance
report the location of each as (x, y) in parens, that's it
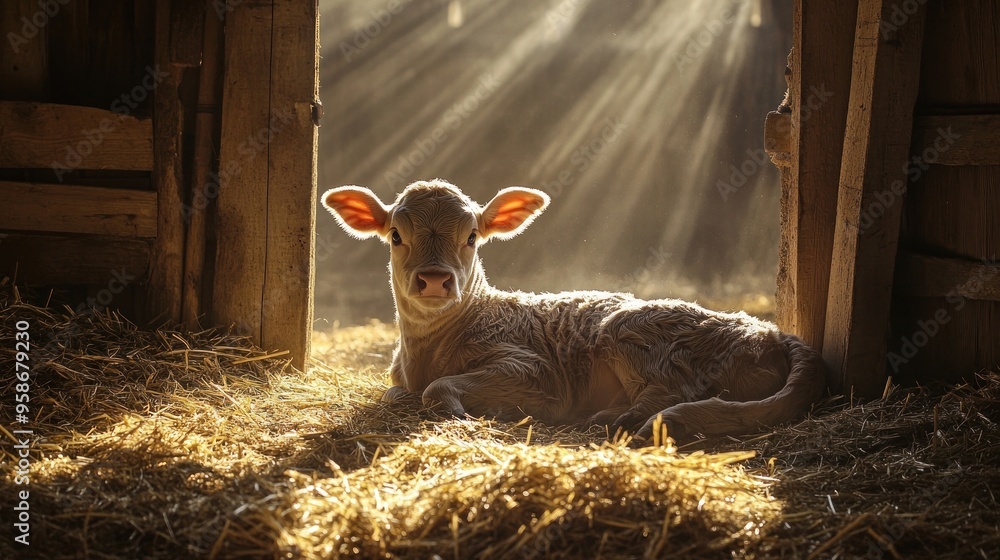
(396, 239)
(472, 239)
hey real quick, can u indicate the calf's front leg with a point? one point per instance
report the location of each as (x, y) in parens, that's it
(486, 393)
(394, 393)
(650, 400)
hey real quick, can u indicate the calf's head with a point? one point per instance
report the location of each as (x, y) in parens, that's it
(434, 230)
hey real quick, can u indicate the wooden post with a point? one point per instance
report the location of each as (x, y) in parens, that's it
(823, 42)
(884, 84)
(267, 167)
(203, 185)
(166, 268)
(241, 223)
(291, 188)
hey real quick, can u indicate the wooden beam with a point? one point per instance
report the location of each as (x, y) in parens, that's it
(66, 137)
(204, 187)
(61, 260)
(823, 42)
(75, 209)
(167, 269)
(957, 139)
(886, 75)
(241, 223)
(291, 200)
(926, 276)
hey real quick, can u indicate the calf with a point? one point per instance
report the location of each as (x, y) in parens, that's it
(597, 357)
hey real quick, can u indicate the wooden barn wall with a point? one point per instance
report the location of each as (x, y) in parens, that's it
(199, 185)
(79, 209)
(890, 212)
(820, 62)
(946, 308)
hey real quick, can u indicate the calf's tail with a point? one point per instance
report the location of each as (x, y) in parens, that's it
(805, 385)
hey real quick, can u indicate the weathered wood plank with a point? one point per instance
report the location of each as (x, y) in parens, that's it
(238, 284)
(942, 340)
(823, 42)
(957, 139)
(167, 268)
(99, 44)
(952, 209)
(884, 84)
(188, 20)
(203, 185)
(926, 276)
(291, 201)
(60, 260)
(66, 137)
(76, 209)
(24, 73)
(962, 56)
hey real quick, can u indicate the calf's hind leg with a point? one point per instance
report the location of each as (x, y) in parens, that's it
(486, 393)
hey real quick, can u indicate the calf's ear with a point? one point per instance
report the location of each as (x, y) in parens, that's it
(358, 211)
(511, 211)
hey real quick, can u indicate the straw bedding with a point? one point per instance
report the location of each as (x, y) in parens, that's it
(175, 445)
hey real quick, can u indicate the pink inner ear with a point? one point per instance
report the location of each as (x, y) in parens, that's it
(511, 214)
(358, 219)
(355, 211)
(509, 218)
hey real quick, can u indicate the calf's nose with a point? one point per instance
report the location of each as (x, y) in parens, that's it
(434, 283)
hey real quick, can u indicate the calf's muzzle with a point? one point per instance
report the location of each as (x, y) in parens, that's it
(435, 283)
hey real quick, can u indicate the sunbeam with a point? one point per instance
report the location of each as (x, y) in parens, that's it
(643, 120)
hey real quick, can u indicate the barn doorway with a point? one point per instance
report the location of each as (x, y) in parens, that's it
(642, 120)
